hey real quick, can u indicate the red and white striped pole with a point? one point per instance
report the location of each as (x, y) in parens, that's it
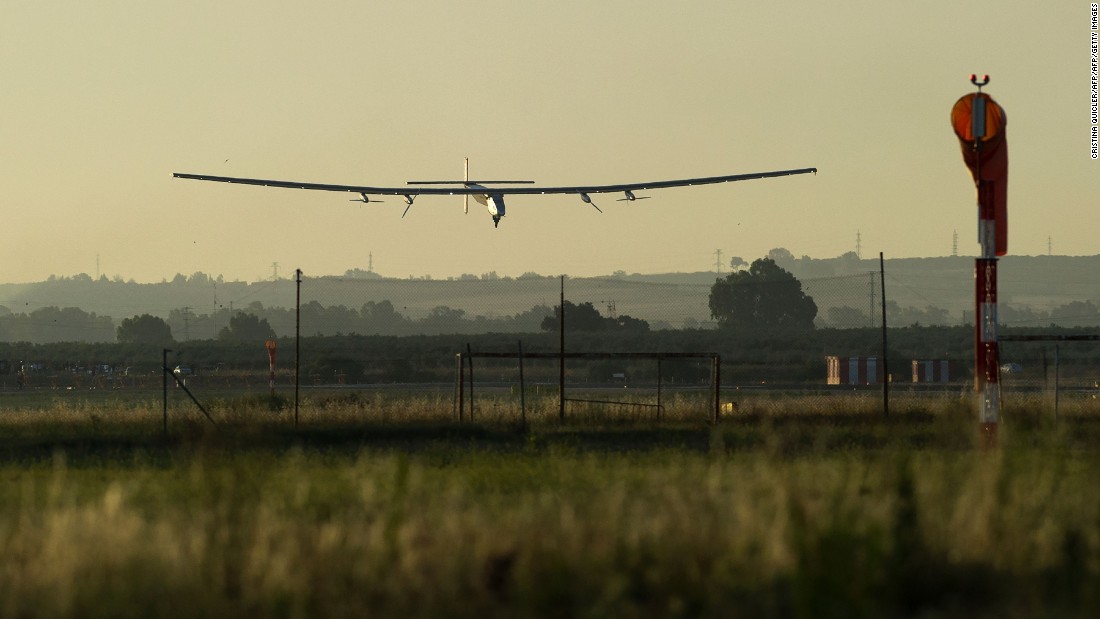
(987, 365)
(979, 124)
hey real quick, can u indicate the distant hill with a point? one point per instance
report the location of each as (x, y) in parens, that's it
(1034, 291)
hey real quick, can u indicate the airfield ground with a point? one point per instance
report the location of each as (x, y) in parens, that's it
(382, 505)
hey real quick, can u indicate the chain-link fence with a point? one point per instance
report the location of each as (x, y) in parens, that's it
(1056, 373)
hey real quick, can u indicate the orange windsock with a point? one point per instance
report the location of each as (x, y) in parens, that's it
(979, 123)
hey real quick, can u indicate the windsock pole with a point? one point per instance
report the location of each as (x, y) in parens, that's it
(979, 123)
(987, 363)
(986, 354)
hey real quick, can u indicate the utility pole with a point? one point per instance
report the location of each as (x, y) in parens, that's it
(164, 386)
(718, 261)
(561, 359)
(370, 262)
(274, 271)
(859, 245)
(885, 358)
(297, 338)
(955, 243)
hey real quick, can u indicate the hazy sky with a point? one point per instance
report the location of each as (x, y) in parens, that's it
(102, 101)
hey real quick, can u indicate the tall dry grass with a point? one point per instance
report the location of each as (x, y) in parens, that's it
(799, 515)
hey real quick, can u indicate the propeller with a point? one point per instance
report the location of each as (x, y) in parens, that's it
(588, 200)
(630, 197)
(365, 199)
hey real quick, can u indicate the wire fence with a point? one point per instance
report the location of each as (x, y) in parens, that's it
(368, 334)
(619, 335)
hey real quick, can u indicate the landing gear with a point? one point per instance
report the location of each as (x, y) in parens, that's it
(496, 220)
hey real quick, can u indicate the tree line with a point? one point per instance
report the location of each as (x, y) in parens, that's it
(762, 296)
(766, 334)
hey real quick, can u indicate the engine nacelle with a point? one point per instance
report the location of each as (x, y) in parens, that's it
(365, 199)
(628, 196)
(588, 200)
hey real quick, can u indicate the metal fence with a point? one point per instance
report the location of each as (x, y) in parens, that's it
(410, 332)
(370, 333)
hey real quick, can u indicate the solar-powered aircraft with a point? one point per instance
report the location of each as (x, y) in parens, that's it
(491, 193)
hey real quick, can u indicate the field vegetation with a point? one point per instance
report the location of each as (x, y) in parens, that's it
(382, 504)
(748, 357)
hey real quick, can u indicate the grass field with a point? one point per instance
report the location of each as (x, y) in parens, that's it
(382, 505)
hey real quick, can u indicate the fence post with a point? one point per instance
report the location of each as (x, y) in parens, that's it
(885, 363)
(658, 388)
(717, 388)
(522, 390)
(297, 341)
(271, 351)
(561, 358)
(1056, 381)
(470, 354)
(164, 378)
(461, 387)
(454, 392)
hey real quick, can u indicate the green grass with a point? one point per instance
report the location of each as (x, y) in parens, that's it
(382, 505)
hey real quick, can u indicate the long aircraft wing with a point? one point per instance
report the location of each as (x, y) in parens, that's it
(492, 197)
(475, 189)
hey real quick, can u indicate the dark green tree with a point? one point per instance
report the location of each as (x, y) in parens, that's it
(382, 317)
(766, 296)
(245, 327)
(585, 317)
(144, 329)
(443, 319)
(630, 323)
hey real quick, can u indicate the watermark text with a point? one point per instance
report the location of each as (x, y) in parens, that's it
(1094, 82)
